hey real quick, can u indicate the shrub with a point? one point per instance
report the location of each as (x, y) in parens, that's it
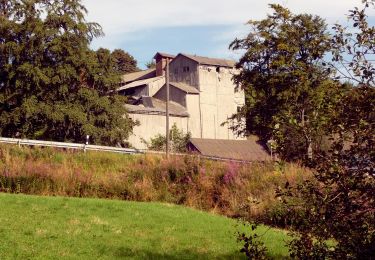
(222, 187)
(178, 141)
(253, 247)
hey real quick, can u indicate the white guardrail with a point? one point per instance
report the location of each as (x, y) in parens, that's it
(84, 147)
(89, 147)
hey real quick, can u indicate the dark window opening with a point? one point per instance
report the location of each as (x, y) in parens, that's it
(218, 69)
(186, 69)
(128, 92)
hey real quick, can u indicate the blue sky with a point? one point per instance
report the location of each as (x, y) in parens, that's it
(199, 40)
(202, 27)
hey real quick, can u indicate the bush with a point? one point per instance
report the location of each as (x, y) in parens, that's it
(253, 247)
(178, 141)
(235, 190)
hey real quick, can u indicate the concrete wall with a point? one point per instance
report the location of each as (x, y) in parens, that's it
(140, 91)
(179, 74)
(175, 95)
(192, 106)
(151, 125)
(219, 101)
(155, 86)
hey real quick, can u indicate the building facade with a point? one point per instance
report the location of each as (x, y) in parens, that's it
(203, 97)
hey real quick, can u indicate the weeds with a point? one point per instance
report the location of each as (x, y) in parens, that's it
(225, 188)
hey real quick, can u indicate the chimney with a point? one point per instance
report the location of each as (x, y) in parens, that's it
(161, 62)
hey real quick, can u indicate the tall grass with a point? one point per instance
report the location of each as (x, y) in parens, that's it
(231, 189)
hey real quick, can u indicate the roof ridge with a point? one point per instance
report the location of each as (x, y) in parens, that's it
(210, 61)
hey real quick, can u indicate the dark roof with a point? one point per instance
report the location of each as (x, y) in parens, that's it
(163, 55)
(144, 74)
(243, 150)
(210, 61)
(185, 87)
(154, 106)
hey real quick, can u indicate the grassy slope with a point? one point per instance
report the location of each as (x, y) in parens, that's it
(225, 188)
(53, 227)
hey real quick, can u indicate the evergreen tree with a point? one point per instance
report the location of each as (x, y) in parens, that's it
(124, 62)
(52, 86)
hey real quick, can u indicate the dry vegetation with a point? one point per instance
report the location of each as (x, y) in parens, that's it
(231, 189)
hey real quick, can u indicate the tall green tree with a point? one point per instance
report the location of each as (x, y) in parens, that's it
(124, 62)
(289, 94)
(338, 204)
(52, 86)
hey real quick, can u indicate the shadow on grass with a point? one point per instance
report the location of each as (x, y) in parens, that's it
(124, 252)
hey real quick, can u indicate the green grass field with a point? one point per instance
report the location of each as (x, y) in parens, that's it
(34, 227)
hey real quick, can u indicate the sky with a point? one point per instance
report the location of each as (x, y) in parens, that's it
(201, 27)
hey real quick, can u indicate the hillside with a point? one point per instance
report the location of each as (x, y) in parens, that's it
(227, 188)
(53, 227)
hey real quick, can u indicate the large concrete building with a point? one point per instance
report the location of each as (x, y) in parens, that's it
(202, 97)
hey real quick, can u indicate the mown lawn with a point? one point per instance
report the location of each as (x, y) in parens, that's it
(53, 227)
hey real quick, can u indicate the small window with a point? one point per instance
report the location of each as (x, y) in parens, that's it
(186, 69)
(238, 109)
(218, 69)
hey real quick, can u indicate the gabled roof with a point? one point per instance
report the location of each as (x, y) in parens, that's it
(154, 106)
(243, 150)
(185, 87)
(210, 61)
(163, 55)
(138, 83)
(149, 73)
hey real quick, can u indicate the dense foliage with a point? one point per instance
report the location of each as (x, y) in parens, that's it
(52, 86)
(289, 93)
(340, 203)
(178, 141)
(124, 62)
(332, 216)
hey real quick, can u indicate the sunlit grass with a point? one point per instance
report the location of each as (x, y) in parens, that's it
(53, 227)
(225, 188)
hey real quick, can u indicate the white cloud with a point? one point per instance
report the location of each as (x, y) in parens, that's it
(133, 15)
(121, 18)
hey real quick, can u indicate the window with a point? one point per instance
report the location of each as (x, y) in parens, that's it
(186, 69)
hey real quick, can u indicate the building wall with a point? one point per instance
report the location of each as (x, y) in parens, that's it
(151, 125)
(175, 95)
(218, 100)
(155, 86)
(178, 71)
(194, 120)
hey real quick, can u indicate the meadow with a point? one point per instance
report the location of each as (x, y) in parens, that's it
(231, 189)
(33, 227)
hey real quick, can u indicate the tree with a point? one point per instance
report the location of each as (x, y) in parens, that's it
(353, 50)
(151, 64)
(124, 62)
(287, 88)
(52, 86)
(339, 203)
(178, 139)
